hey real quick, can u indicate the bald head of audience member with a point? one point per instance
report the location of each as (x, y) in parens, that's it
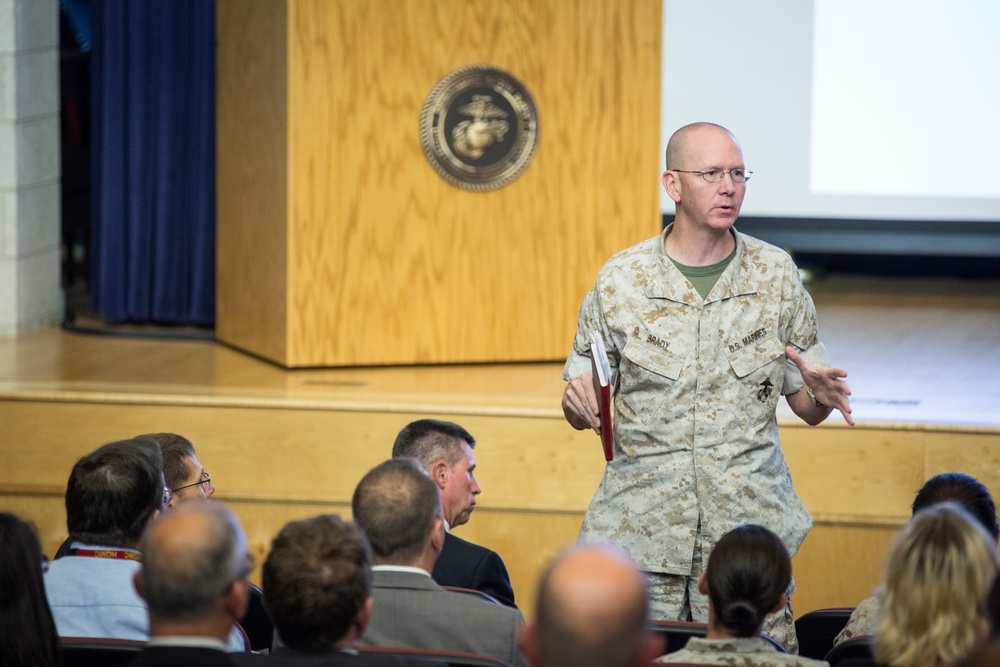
(194, 572)
(591, 610)
(317, 582)
(398, 507)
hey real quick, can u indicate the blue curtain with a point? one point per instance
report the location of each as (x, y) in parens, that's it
(153, 73)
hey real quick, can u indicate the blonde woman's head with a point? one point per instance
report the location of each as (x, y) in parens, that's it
(933, 601)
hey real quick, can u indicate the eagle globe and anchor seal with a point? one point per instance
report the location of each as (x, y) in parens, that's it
(479, 128)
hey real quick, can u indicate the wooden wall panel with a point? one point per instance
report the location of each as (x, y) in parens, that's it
(252, 176)
(389, 264)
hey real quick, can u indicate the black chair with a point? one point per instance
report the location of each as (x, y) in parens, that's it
(817, 629)
(677, 633)
(856, 649)
(256, 622)
(449, 658)
(97, 652)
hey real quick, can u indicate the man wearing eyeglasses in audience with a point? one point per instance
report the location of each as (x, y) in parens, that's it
(112, 496)
(185, 476)
(705, 329)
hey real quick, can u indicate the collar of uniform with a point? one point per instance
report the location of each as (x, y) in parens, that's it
(669, 283)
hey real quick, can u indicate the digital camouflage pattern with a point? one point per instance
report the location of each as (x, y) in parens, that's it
(862, 621)
(741, 652)
(697, 382)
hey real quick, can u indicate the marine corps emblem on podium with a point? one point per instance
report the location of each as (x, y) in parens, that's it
(479, 128)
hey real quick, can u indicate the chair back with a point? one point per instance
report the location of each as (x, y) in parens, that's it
(449, 658)
(817, 629)
(256, 622)
(97, 652)
(857, 649)
(677, 633)
(474, 592)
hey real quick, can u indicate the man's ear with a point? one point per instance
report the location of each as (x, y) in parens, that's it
(527, 641)
(364, 615)
(653, 647)
(672, 185)
(782, 601)
(237, 598)
(437, 536)
(703, 583)
(440, 472)
(137, 583)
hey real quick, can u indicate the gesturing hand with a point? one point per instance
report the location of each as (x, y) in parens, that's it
(827, 384)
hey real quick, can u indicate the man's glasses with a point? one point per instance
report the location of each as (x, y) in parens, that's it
(205, 479)
(716, 175)
(168, 495)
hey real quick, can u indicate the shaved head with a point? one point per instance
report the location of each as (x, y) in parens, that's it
(591, 610)
(681, 142)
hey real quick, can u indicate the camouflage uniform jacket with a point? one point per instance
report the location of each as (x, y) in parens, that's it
(697, 382)
(862, 621)
(739, 651)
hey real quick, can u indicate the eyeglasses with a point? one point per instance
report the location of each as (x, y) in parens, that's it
(168, 495)
(716, 175)
(205, 479)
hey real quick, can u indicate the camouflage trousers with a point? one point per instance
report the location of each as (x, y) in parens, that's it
(674, 597)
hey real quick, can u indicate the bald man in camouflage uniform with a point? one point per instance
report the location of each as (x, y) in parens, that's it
(705, 328)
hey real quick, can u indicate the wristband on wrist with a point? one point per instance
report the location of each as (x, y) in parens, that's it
(815, 400)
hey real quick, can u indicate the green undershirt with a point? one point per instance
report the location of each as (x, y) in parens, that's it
(704, 277)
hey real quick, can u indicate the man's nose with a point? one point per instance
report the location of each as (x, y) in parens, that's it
(476, 489)
(728, 184)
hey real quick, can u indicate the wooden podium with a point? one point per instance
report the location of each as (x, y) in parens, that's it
(338, 243)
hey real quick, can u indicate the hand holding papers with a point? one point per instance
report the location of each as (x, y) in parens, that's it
(602, 389)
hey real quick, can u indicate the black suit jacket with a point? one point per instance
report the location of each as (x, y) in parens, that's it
(193, 656)
(469, 565)
(340, 658)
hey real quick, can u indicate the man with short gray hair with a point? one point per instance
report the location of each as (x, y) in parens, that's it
(444, 449)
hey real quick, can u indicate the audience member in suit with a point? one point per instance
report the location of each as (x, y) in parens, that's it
(28, 637)
(968, 492)
(398, 507)
(444, 449)
(591, 611)
(112, 495)
(194, 581)
(746, 579)
(934, 594)
(182, 473)
(318, 581)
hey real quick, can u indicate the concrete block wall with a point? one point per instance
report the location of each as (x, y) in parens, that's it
(30, 293)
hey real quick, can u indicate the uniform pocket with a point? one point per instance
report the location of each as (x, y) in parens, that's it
(648, 375)
(760, 369)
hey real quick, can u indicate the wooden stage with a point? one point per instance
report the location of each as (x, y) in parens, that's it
(923, 359)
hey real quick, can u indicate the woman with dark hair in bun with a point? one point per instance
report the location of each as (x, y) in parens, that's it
(747, 578)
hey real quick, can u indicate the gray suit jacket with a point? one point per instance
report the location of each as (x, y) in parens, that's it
(410, 610)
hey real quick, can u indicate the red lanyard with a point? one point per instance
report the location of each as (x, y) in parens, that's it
(106, 553)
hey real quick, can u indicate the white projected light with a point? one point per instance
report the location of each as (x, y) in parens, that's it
(904, 98)
(882, 110)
